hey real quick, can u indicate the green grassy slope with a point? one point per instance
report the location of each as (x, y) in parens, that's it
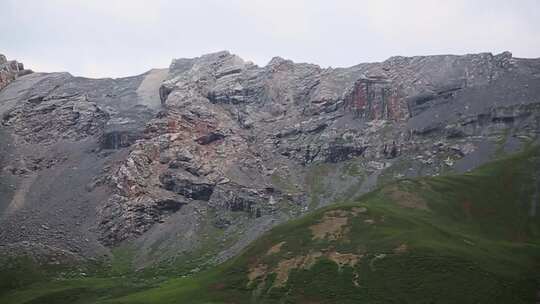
(453, 239)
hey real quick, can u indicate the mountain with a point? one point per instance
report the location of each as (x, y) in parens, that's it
(468, 238)
(181, 169)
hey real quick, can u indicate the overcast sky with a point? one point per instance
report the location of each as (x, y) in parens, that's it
(108, 38)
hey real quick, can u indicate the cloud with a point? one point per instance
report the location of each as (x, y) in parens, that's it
(102, 38)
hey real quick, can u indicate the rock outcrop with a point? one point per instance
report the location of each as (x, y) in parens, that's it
(10, 70)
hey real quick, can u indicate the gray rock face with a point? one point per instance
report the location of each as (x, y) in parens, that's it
(218, 150)
(10, 70)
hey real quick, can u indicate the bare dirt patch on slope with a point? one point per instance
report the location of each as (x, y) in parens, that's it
(332, 226)
(275, 249)
(284, 267)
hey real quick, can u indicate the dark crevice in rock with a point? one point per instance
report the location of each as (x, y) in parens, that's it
(209, 138)
(190, 188)
(117, 139)
(164, 92)
(169, 205)
(338, 153)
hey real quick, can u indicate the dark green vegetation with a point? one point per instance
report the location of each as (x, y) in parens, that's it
(470, 238)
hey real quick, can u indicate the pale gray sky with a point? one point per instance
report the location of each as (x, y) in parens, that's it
(113, 38)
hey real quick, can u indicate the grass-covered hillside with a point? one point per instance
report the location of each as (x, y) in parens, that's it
(472, 238)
